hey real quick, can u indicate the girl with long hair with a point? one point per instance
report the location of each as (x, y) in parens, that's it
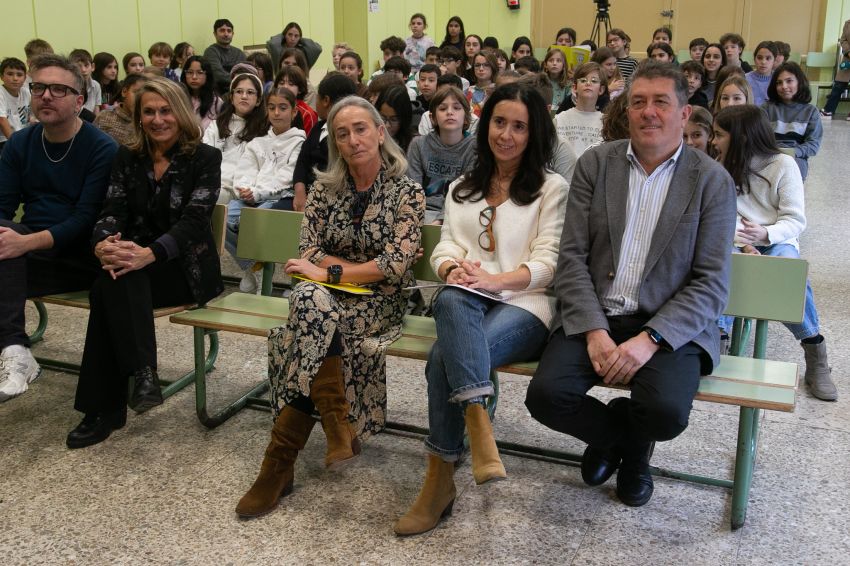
(771, 217)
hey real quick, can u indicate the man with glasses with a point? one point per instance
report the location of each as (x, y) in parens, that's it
(221, 55)
(642, 277)
(58, 170)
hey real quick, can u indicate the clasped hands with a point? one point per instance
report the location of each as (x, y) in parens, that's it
(618, 363)
(751, 233)
(247, 195)
(470, 274)
(119, 257)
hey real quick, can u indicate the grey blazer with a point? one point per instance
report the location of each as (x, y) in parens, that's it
(686, 279)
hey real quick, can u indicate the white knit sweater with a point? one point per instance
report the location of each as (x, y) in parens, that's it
(268, 163)
(775, 201)
(231, 149)
(525, 235)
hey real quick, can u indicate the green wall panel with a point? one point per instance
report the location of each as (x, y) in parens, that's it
(159, 20)
(266, 15)
(63, 23)
(240, 13)
(115, 27)
(320, 27)
(18, 28)
(197, 17)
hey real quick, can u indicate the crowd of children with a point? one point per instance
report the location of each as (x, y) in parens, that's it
(268, 119)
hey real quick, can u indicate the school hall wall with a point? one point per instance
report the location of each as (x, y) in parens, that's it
(798, 22)
(121, 26)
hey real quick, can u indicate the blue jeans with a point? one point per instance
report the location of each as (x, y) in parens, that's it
(810, 326)
(474, 335)
(838, 88)
(231, 235)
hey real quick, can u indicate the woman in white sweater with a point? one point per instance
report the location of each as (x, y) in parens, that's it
(263, 177)
(771, 217)
(500, 235)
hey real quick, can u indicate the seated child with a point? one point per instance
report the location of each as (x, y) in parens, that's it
(293, 78)
(437, 159)
(14, 99)
(582, 125)
(82, 59)
(695, 73)
(265, 171)
(450, 62)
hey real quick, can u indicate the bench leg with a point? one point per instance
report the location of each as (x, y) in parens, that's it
(38, 334)
(212, 421)
(169, 388)
(268, 275)
(748, 425)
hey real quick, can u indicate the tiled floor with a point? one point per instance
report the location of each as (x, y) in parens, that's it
(162, 490)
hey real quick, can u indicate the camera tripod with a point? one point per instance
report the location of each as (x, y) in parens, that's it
(603, 20)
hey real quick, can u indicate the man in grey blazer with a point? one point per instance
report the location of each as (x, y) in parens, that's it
(642, 277)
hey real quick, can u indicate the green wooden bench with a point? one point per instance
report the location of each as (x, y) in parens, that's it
(762, 289)
(80, 300)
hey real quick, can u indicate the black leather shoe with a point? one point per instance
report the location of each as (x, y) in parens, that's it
(634, 482)
(598, 465)
(147, 393)
(95, 428)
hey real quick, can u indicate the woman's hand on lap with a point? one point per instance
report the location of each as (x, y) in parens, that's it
(751, 232)
(306, 268)
(479, 278)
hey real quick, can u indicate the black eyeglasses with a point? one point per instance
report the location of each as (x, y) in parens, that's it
(57, 90)
(486, 239)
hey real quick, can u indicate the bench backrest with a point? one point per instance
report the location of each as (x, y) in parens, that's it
(268, 235)
(767, 288)
(430, 238)
(218, 223)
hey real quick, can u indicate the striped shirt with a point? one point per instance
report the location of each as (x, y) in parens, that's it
(627, 66)
(647, 194)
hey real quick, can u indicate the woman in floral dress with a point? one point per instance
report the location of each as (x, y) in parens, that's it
(361, 225)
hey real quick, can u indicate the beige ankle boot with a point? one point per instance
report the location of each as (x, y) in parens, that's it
(818, 373)
(277, 472)
(486, 464)
(328, 394)
(435, 500)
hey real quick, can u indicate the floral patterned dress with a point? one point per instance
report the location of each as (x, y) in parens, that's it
(389, 233)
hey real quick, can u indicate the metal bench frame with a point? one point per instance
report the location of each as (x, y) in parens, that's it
(783, 300)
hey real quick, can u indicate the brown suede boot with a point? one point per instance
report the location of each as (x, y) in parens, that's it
(486, 464)
(435, 500)
(289, 435)
(328, 394)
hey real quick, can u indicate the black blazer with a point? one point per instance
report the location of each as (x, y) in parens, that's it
(171, 217)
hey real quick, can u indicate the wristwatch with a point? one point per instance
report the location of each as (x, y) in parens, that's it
(334, 274)
(656, 338)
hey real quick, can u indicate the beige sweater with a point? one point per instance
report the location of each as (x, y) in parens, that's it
(525, 235)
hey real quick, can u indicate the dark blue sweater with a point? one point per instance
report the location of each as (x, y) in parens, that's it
(63, 198)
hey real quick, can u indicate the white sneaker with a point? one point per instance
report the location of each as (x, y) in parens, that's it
(17, 370)
(250, 282)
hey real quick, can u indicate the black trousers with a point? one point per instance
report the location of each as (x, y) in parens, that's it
(662, 391)
(120, 338)
(35, 274)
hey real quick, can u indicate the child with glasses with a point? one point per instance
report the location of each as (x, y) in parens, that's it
(485, 69)
(242, 119)
(582, 125)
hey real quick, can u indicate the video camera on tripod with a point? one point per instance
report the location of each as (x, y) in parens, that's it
(602, 22)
